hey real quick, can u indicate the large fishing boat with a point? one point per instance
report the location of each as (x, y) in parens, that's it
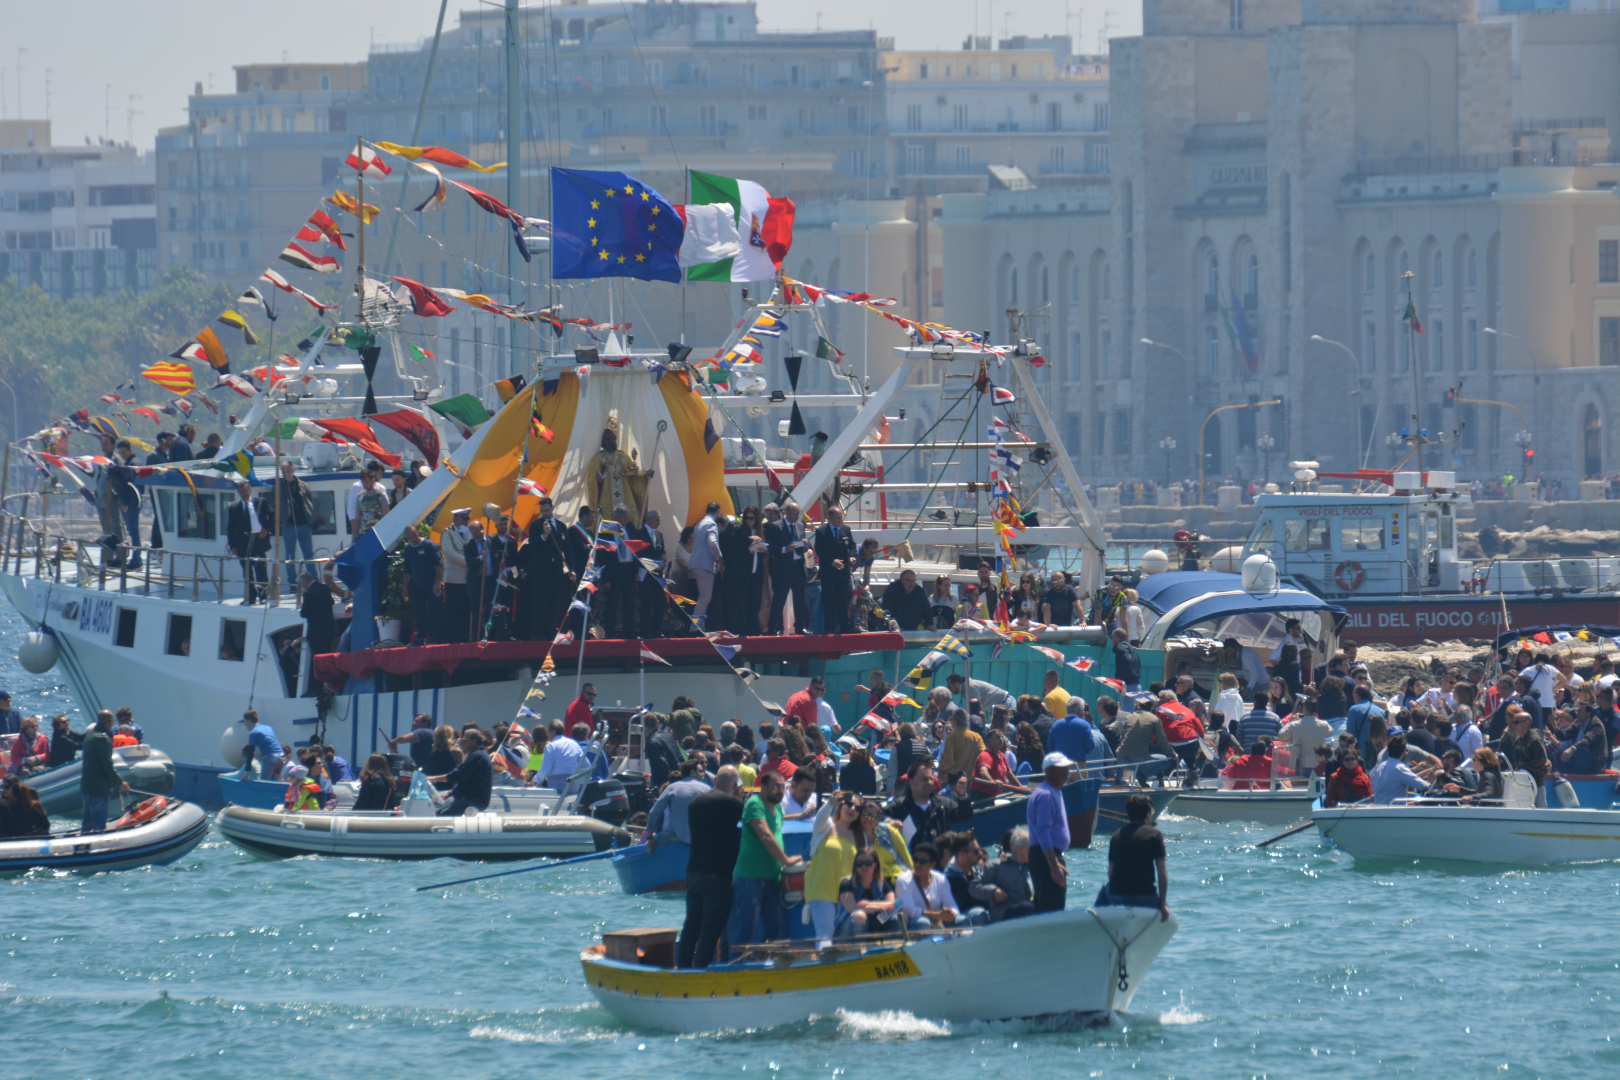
(1389, 556)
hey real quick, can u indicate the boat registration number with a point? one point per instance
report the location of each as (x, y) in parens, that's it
(898, 968)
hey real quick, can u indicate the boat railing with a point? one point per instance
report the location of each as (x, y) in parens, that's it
(90, 564)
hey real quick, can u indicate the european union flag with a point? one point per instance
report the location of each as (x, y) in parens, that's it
(607, 224)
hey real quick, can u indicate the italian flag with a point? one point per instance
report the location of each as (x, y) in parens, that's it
(735, 231)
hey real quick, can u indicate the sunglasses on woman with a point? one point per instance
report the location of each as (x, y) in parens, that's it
(865, 862)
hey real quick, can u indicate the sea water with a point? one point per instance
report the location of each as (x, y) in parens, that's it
(1291, 961)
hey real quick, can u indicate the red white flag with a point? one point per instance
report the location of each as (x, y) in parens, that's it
(303, 259)
(366, 162)
(648, 654)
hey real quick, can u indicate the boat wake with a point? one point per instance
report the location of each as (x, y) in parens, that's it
(889, 1025)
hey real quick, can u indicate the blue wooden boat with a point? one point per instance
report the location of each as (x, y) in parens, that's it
(664, 869)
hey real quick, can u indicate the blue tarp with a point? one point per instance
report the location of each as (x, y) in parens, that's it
(1242, 603)
(1161, 592)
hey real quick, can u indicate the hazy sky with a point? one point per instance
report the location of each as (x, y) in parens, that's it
(100, 52)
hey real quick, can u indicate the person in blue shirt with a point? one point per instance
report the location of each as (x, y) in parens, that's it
(1073, 736)
(1358, 721)
(424, 586)
(1049, 835)
(266, 747)
(125, 717)
(336, 766)
(420, 739)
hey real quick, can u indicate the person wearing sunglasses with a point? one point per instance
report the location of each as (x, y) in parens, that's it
(888, 842)
(924, 894)
(838, 838)
(866, 900)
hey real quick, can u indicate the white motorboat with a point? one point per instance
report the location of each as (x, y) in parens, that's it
(414, 831)
(1081, 964)
(1515, 833)
(154, 832)
(1280, 802)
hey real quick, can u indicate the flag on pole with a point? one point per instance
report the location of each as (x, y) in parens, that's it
(364, 160)
(176, 378)
(1000, 395)
(762, 229)
(438, 154)
(648, 654)
(1410, 315)
(1050, 654)
(1081, 664)
(1115, 683)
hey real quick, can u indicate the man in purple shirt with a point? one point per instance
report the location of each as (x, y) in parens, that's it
(1049, 835)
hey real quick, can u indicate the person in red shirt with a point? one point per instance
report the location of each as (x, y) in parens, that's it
(1183, 730)
(991, 774)
(579, 711)
(1250, 767)
(777, 761)
(804, 704)
(1349, 784)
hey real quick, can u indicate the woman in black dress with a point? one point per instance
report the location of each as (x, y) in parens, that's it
(745, 572)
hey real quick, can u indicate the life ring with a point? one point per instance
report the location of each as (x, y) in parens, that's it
(142, 813)
(1349, 576)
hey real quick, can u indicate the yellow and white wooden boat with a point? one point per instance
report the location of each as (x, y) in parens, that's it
(1083, 963)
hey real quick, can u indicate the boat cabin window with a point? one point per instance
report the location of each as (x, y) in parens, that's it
(325, 523)
(232, 639)
(1446, 535)
(1305, 534)
(196, 515)
(124, 636)
(1365, 535)
(165, 502)
(179, 640)
(1260, 539)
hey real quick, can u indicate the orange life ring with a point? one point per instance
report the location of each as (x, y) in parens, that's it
(142, 813)
(1349, 576)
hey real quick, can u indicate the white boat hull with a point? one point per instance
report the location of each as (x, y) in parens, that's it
(382, 835)
(185, 703)
(1509, 835)
(1059, 964)
(175, 831)
(1285, 806)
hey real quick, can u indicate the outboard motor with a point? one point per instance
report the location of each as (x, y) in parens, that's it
(636, 789)
(605, 800)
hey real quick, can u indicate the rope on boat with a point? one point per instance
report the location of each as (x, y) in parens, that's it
(1124, 972)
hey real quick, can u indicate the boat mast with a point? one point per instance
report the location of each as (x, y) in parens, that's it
(516, 279)
(1418, 438)
(360, 268)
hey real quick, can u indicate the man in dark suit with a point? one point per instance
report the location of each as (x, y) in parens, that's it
(247, 530)
(547, 577)
(577, 543)
(652, 593)
(500, 590)
(786, 543)
(835, 559)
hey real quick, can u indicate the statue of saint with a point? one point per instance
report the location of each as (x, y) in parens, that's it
(613, 478)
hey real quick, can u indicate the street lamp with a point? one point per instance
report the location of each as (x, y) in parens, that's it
(1204, 427)
(1535, 371)
(1168, 445)
(1526, 455)
(1265, 444)
(1355, 361)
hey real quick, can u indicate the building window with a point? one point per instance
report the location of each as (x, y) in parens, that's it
(326, 82)
(1056, 157)
(1251, 290)
(922, 70)
(1235, 15)
(1104, 354)
(1212, 352)
(1471, 345)
(1468, 422)
(1473, 269)
(964, 158)
(1609, 341)
(1609, 261)
(1438, 355)
(1439, 272)
(1099, 116)
(960, 114)
(1370, 280)
(914, 158)
(913, 117)
(1054, 116)
(1122, 432)
(1100, 430)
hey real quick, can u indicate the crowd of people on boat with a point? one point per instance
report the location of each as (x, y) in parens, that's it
(763, 570)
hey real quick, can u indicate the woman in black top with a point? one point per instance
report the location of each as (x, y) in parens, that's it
(444, 757)
(1029, 748)
(1287, 669)
(859, 775)
(376, 786)
(745, 572)
(25, 817)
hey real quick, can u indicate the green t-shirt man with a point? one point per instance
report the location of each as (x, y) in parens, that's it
(753, 861)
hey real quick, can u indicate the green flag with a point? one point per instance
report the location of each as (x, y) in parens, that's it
(465, 410)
